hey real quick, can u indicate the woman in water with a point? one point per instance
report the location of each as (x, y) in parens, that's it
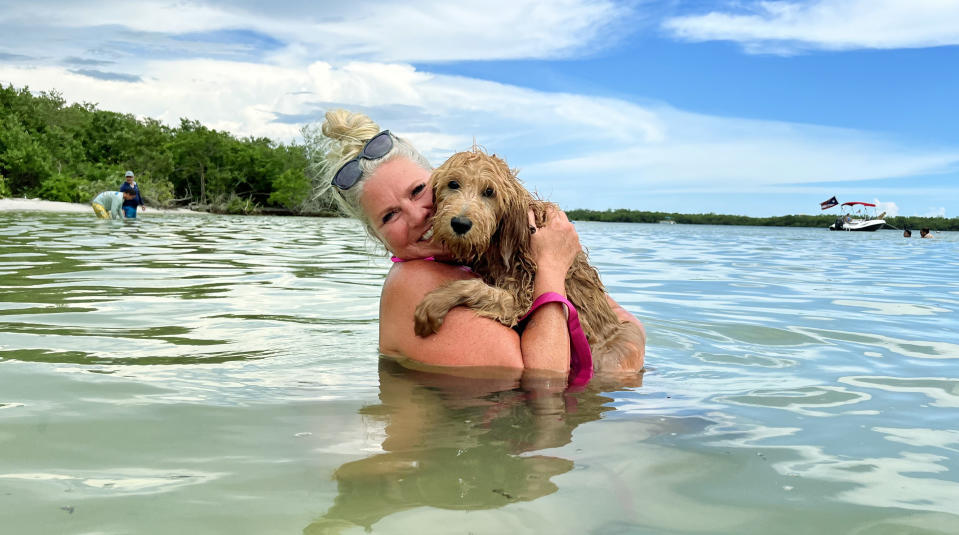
(381, 180)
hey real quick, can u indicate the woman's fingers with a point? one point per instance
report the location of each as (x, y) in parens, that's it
(555, 245)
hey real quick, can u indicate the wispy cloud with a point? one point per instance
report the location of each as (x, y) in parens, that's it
(889, 208)
(792, 26)
(413, 31)
(14, 57)
(73, 60)
(103, 75)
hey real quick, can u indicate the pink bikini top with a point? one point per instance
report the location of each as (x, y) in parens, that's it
(580, 355)
(396, 259)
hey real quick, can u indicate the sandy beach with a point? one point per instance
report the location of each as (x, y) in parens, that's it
(39, 205)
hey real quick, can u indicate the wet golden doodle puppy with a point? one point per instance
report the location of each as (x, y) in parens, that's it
(482, 216)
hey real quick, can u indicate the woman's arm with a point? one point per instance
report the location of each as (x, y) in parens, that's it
(466, 339)
(545, 341)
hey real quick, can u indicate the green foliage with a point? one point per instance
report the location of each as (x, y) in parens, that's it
(62, 188)
(61, 152)
(4, 188)
(291, 189)
(932, 223)
(156, 191)
(233, 204)
(24, 160)
(97, 177)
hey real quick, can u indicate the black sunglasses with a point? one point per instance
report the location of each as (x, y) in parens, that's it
(377, 147)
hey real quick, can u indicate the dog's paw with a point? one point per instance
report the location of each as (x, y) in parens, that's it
(427, 319)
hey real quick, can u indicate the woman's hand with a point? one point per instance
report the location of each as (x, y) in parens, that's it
(556, 244)
(545, 341)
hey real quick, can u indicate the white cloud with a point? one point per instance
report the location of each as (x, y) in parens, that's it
(417, 30)
(935, 212)
(787, 26)
(147, 16)
(442, 31)
(890, 208)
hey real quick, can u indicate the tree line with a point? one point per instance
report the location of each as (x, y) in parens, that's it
(70, 153)
(623, 215)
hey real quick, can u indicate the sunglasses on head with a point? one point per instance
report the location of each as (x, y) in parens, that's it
(350, 173)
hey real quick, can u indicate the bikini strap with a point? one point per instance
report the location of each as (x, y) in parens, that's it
(580, 355)
(395, 259)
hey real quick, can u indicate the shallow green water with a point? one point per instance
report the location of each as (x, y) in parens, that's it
(205, 374)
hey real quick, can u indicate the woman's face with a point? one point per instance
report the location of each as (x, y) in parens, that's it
(399, 204)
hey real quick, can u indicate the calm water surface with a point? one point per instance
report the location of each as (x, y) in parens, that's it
(209, 374)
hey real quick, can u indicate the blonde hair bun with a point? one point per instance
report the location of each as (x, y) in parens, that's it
(348, 130)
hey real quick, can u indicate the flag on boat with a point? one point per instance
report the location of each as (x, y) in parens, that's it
(829, 203)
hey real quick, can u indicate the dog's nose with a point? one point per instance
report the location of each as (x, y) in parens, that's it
(461, 225)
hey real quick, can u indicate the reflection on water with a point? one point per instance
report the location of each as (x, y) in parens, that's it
(455, 443)
(195, 372)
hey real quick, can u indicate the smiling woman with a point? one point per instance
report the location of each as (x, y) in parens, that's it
(380, 179)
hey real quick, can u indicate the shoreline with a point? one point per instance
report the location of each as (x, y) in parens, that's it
(13, 204)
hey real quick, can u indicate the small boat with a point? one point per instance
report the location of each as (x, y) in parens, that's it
(667, 221)
(859, 216)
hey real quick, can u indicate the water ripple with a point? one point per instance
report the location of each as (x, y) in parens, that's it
(812, 371)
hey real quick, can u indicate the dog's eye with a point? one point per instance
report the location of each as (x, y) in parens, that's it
(453, 185)
(488, 192)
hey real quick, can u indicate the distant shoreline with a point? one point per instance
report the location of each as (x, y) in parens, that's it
(938, 224)
(623, 215)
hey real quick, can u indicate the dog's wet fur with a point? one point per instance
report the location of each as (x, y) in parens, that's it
(482, 216)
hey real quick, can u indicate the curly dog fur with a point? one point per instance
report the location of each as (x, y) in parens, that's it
(482, 215)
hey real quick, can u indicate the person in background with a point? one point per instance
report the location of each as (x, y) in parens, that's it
(130, 206)
(924, 233)
(109, 204)
(907, 233)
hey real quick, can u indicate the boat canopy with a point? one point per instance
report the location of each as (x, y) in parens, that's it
(857, 202)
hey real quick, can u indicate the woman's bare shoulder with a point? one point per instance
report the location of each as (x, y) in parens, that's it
(418, 277)
(464, 339)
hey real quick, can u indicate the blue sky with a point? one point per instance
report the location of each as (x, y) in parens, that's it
(742, 107)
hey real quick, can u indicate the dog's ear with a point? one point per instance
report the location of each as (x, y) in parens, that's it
(513, 232)
(434, 179)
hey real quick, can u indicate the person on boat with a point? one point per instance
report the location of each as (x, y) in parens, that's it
(130, 206)
(924, 233)
(907, 233)
(109, 204)
(381, 180)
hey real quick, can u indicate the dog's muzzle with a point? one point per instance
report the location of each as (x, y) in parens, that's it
(461, 225)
